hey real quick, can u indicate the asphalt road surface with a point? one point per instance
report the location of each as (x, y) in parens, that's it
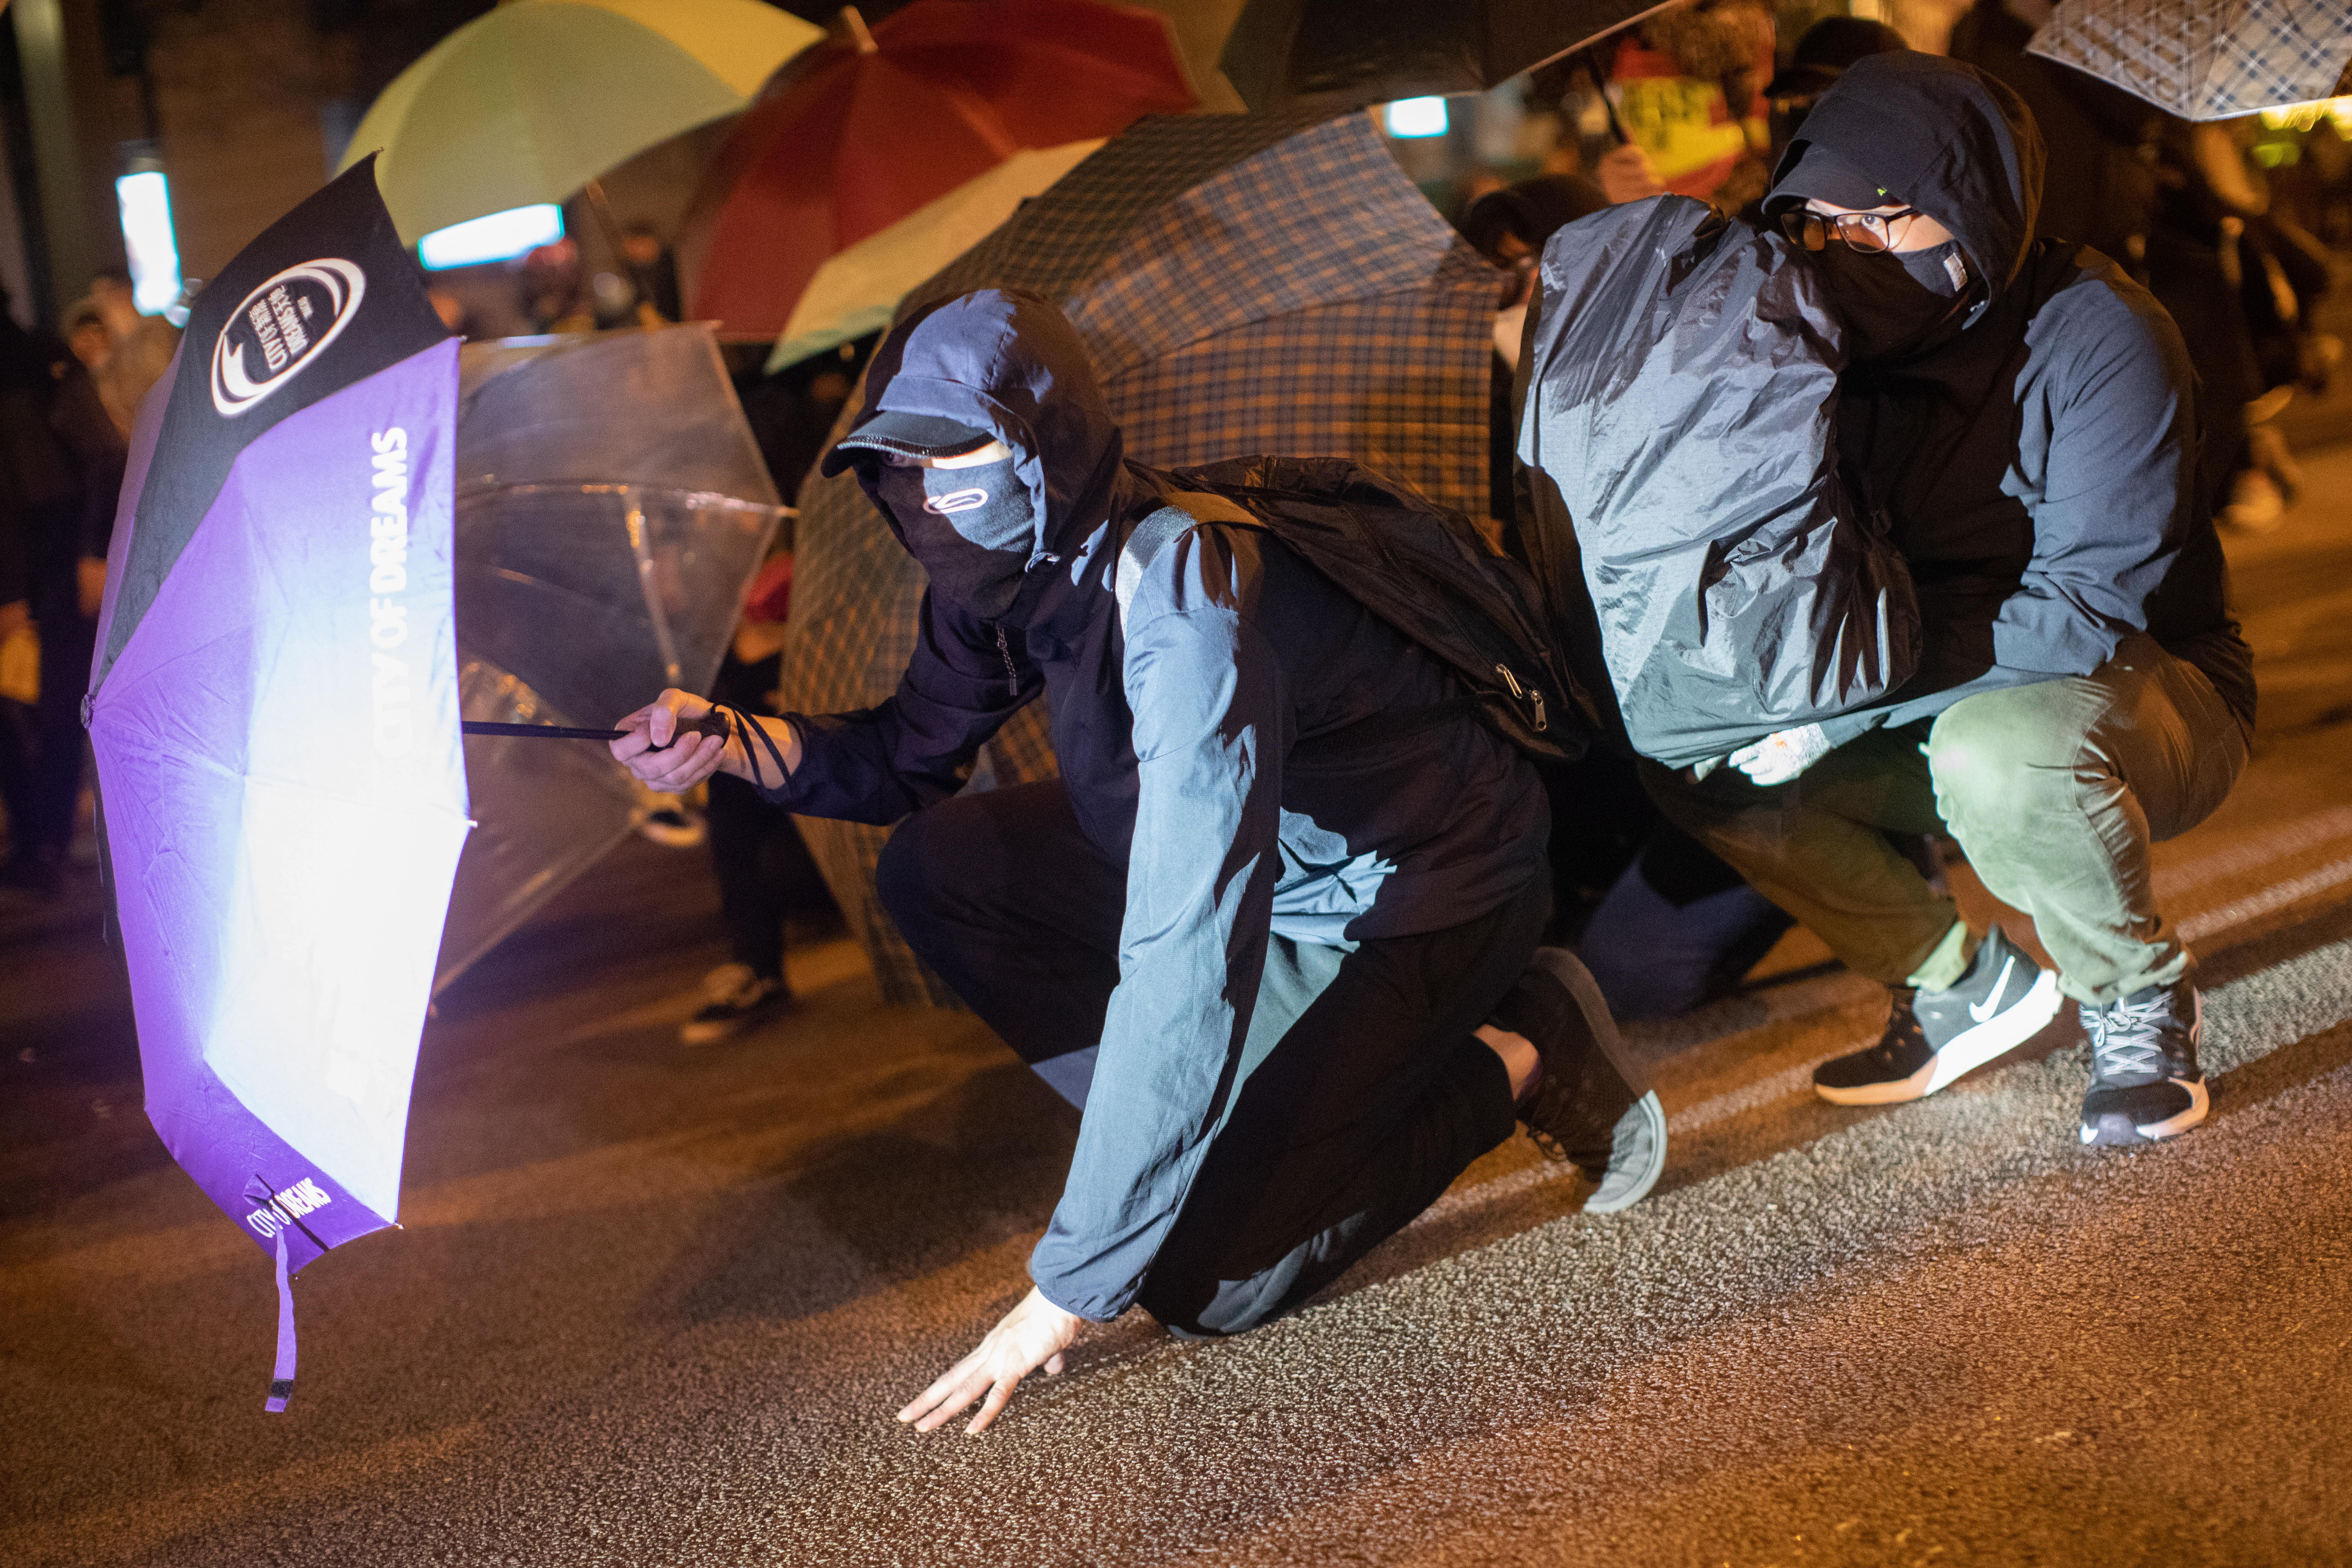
(656, 1306)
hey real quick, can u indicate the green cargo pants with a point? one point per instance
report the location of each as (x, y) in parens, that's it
(2054, 790)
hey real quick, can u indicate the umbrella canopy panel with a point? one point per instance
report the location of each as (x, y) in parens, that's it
(1245, 284)
(857, 290)
(2207, 59)
(869, 129)
(1345, 54)
(531, 102)
(611, 512)
(274, 712)
(645, 405)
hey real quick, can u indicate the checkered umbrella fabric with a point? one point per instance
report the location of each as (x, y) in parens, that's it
(2207, 59)
(1246, 283)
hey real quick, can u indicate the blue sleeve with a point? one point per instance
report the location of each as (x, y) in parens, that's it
(2116, 503)
(966, 679)
(1210, 730)
(2117, 496)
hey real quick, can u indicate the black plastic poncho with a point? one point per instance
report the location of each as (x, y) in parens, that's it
(1683, 393)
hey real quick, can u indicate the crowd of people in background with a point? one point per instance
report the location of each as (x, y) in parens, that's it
(2231, 235)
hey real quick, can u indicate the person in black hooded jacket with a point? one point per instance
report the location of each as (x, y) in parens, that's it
(2020, 416)
(1274, 929)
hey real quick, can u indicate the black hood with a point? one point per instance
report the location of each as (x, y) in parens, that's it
(1940, 136)
(1008, 362)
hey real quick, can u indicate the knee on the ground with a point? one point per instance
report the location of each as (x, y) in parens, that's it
(1992, 764)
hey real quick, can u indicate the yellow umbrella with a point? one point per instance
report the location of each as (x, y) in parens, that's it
(534, 99)
(857, 291)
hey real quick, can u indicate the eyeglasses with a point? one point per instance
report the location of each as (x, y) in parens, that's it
(1863, 231)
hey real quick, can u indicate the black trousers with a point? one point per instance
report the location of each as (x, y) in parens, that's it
(41, 760)
(1365, 1094)
(762, 865)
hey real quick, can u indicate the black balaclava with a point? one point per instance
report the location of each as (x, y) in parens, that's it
(973, 529)
(1893, 301)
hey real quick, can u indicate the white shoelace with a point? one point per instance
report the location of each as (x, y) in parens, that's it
(2129, 1038)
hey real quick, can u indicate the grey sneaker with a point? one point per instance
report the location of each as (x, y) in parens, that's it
(1933, 1036)
(2146, 1085)
(734, 998)
(1592, 1104)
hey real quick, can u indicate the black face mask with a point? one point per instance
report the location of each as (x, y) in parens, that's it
(1893, 301)
(973, 528)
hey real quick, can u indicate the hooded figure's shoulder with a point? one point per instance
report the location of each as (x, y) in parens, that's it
(1210, 568)
(2091, 322)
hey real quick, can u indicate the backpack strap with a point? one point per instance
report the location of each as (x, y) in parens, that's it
(1180, 509)
(1144, 543)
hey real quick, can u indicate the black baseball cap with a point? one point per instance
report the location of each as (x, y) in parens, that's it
(910, 435)
(1821, 175)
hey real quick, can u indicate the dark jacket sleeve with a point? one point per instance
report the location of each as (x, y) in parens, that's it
(1210, 730)
(966, 679)
(2115, 509)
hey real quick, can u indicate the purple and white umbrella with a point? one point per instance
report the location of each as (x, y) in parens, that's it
(274, 713)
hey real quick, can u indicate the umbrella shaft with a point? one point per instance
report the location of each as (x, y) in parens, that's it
(545, 731)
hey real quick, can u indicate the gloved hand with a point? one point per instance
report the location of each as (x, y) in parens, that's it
(1783, 755)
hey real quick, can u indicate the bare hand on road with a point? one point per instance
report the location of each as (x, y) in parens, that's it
(1033, 1334)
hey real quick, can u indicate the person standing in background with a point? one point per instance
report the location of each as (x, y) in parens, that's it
(762, 865)
(142, 353)
(61, 460)
(1688, 85)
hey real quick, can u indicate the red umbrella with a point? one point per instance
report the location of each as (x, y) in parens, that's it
(862, 130)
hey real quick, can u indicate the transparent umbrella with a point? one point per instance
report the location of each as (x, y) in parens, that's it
(612, 511)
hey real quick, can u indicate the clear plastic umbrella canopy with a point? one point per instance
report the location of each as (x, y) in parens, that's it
(612, 511)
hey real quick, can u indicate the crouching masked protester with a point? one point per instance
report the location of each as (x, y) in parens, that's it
(1292, 983)
(2018, 414)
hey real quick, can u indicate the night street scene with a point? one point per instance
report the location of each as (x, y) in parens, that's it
(1276, 783)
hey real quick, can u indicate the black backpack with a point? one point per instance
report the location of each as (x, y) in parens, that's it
(1424, 570)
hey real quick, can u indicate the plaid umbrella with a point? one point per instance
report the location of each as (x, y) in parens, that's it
(2207, 59)
(1246, 283)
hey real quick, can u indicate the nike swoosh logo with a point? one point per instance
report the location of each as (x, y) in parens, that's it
(1980, 1011)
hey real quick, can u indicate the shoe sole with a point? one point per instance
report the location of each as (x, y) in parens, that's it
(1968, 1050)
(2115, 1132)
(1625, 1185)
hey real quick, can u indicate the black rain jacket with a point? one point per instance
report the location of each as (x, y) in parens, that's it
(1179, 735)
(2037, 462)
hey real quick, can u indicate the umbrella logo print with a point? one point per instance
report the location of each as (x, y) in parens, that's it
(280, 326)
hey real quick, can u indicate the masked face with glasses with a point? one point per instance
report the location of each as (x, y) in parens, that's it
(1895, 273)
(1889, 227)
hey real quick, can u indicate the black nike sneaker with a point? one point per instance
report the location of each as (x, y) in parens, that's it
(1933, 1036)
(1591, 1104)
(2146, 1085)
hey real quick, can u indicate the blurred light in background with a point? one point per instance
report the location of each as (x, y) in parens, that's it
(1415, 117)
(144, 200)
(496, 238)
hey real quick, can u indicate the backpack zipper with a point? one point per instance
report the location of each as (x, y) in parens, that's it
(1528, 695)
